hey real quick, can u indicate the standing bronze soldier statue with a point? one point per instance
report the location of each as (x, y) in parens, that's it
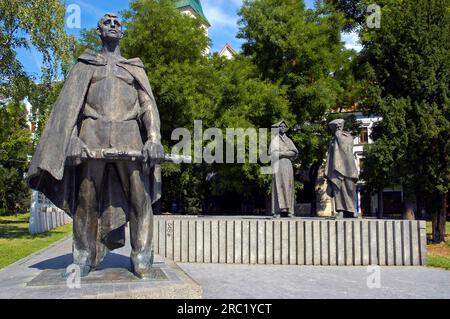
(283, 152)
(341, 172)
(106, 110)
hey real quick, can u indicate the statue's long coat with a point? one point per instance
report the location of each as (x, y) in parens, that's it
(341, 172)
(50, 171)
(283, 194)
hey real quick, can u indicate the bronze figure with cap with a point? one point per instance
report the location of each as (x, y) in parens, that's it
(283, 152)
(340, 171)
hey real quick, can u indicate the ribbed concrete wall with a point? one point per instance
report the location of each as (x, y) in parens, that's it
(291, 242)
(44, 216)
(48, 219)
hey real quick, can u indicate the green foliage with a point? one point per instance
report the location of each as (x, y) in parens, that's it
(407, 63)
(169, 35)
(189, 85)
(42, 97)
(15, 142)
(89, 39)
(26, 23)
(171, 45)
(383, 158)
(438, 261)
(354, 12)
(302, 51)
(245, 102)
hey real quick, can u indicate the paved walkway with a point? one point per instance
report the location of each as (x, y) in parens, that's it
(305, 282)
(38, 277)
(241, 281)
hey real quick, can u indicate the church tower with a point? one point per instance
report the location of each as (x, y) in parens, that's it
(194, 9)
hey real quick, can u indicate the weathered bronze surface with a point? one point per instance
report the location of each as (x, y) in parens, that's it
(340, 171)
(107, 104)
(283, 152)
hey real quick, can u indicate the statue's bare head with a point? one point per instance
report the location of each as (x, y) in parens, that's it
(336, 125)
(109, 28)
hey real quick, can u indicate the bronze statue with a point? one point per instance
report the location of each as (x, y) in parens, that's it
(105, 112)
(283, 152)
(341, 172)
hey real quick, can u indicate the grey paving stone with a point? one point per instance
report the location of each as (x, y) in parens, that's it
(43, 272)
(305, 282)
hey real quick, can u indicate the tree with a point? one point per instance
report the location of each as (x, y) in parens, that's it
(247, 102)
(354, 12)
(189, 85)
(15, 145)
(42, 96)
(25, 24)
(37, 23)
(302, 50)
(171, 45)
(407, 60)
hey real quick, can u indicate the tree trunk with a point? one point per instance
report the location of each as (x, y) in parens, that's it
(268, 205)
(439, 220)
(380, 204)
(408, 212)
(313, 180)
(408, 203)
(420, 214)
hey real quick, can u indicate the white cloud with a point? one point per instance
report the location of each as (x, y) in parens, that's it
(90, 9)
(237, 3)
(218, 15)
(352, 41)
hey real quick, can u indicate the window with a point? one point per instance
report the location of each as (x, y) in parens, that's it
(361, 165)
(364, 136)
(392, 203)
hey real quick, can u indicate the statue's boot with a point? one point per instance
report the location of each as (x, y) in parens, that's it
(284, 213)
(102, 252)
(83, 262)
(141, 265)
(349, 215)
(339, 215)
(83, 271)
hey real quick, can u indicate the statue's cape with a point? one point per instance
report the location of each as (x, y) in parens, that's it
(49, 172)
(340, 160)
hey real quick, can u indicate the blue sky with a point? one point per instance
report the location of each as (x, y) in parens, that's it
(222, 14)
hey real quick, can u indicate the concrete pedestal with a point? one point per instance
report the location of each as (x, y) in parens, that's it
(39, 276)
(291, 241)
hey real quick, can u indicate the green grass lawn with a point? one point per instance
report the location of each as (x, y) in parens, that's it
(16, 243)
(439, 254)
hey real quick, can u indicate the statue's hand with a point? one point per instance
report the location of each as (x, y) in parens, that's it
(153, 152)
